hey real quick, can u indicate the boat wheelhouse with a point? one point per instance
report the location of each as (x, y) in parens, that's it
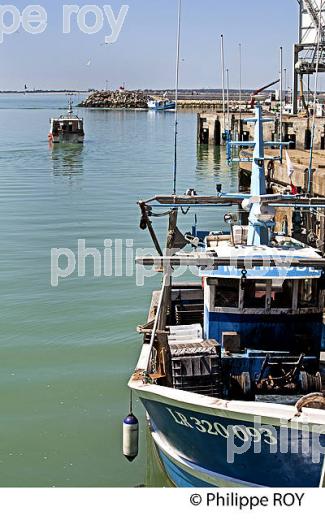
(68, 128)
(229, 372)
(265, 308)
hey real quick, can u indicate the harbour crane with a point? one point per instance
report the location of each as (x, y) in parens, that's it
(313, 10)
(309, 52)
(258, 91)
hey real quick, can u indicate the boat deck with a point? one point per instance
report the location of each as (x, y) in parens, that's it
(290, 399)
(189, 297)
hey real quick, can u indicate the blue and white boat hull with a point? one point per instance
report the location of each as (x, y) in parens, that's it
(204, 442)
(160, 106)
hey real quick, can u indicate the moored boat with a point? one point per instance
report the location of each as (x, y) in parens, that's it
(161, 104)
(67, 129)
(229, 372)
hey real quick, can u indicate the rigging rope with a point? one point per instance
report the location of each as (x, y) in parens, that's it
(315, 99)
(158, 215)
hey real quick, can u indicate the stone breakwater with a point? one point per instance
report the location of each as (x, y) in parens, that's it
(138, 99)
(116, 99)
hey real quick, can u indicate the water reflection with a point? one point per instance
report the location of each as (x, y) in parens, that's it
(208, 160)
(212, 167)
(67, 160)
(155, 476)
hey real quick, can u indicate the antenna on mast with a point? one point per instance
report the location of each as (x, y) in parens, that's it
(176, 91)
(70, 104)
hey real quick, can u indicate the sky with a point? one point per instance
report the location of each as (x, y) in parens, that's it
(144, 54)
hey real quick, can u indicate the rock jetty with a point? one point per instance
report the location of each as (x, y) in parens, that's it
(116, 99)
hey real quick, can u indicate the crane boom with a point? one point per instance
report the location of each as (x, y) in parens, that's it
(258, 91)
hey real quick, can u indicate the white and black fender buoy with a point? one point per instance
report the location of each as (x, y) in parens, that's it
(130, 437)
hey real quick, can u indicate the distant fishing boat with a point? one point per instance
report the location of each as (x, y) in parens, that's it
(161, 104)
(68, 128)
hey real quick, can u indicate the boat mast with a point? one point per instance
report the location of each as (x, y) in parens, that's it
(240, 86)
(223, 82)
(176, 93)
(240, 75)
(281, 101)
(228, 104)
(260, 214)
(258, 186)
(70, 106)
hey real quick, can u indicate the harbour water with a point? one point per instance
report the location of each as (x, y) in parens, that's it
(67, 352)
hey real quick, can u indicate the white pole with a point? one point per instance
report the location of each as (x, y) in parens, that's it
(223, 82)
(176, 91)
(240, 92)
(281, 96)
(228, 104)
(240, 74)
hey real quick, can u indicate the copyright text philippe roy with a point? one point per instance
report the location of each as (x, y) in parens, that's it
(245, 502)
(89, 19)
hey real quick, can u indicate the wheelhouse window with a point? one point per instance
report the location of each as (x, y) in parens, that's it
(308, 295)
(282, 294)
(255, 293)
(226, 292)
(268, 294)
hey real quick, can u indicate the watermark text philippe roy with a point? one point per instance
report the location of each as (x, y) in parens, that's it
(118, 259)
(295, 437)
(89, 19)
(115, 259)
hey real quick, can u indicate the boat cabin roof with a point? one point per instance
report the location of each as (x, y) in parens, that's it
(66, 118)
(282, 248)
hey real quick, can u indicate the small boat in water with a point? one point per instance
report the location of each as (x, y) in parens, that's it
(67, 129)
(161, 104)
(229, 372)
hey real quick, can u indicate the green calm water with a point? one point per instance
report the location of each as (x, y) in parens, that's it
(67, 352)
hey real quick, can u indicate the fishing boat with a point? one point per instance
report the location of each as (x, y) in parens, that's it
(67, 129)
(229, 372)
(161, 104)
